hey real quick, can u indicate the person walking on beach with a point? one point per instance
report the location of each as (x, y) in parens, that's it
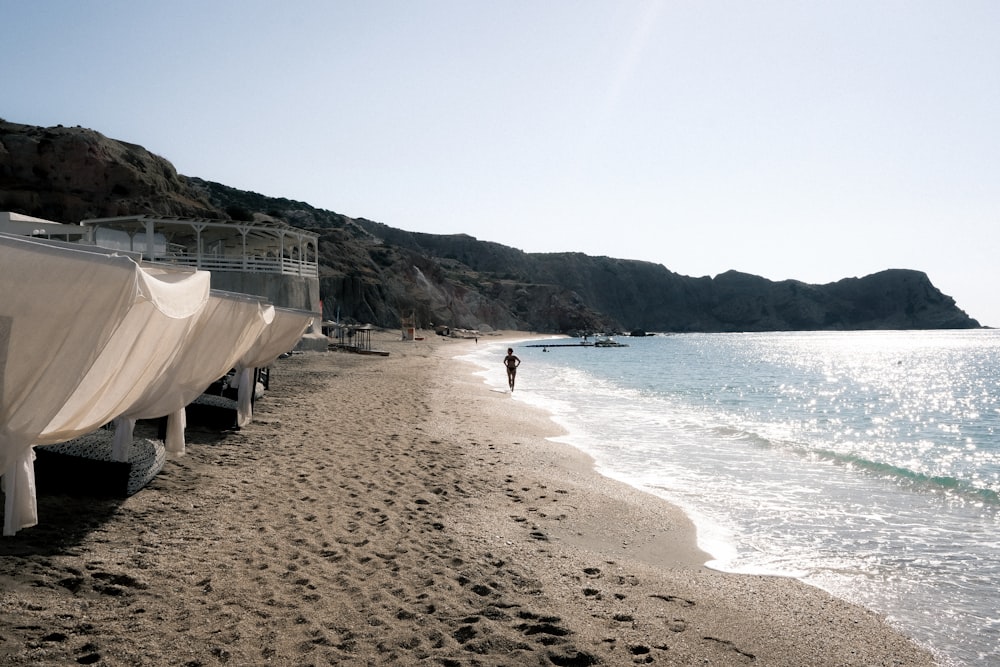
(511, 361)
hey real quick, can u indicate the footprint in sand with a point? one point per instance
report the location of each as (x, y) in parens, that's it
(673, 598)
(729, 646)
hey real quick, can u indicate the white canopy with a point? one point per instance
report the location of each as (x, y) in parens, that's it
(281, 336)
(226, 329)
(60, 315)
(141, 352)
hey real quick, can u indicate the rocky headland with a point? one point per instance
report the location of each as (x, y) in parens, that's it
(371, 272)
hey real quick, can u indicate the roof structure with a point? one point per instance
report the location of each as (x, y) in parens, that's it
(26, 225)
(216, 245)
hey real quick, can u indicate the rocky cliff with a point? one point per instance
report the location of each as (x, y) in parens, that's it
(71, 174)
(370, 272)
(643, 295)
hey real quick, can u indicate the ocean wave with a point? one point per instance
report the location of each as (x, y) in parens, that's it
(915, 480)
(946, 484)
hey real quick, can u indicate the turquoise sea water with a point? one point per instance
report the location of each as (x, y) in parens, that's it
(866, 463)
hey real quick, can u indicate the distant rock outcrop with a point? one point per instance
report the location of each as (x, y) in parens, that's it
(370, 272)
(643, 295)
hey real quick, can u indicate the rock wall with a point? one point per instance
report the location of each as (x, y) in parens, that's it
(629, 294)
(71, 174)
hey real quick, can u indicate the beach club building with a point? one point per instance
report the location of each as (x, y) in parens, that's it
(272, 260)
(269, 259)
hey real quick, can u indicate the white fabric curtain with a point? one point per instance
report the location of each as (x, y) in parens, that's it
(281, 336)
(225, 330)
(61, 307)
(142, 350)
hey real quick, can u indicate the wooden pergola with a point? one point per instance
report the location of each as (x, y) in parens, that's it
(215, 245)
(356, 338)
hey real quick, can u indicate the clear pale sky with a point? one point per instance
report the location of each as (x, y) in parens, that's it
(813, 140)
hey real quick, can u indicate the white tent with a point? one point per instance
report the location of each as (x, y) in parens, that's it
(62, 308)
(281, 336)
(142, 351)
(226, 329)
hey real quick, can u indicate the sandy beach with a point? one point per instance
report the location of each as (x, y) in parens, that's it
(394, 510)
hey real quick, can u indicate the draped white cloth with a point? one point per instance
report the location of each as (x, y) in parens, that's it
(68, 314)
(225, 330)
(281, 336)
(142, 351)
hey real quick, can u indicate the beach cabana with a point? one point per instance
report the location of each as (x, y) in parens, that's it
(142, 351)
(225, 331)
(222, 331)
(62, 306)
(279, 337)
(266, 258)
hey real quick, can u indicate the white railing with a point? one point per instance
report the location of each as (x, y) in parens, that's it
(284, 266)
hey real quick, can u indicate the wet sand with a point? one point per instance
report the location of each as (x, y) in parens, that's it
(394, 510)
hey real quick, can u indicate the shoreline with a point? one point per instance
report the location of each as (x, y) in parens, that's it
(660, 539)
(395, 510)
(647, 541)
(560, 437)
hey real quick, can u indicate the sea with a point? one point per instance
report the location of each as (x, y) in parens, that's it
(864, 463)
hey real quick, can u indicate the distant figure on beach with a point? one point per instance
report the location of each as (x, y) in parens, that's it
(511, 362)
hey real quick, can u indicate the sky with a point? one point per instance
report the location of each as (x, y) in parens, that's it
(811, 140)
